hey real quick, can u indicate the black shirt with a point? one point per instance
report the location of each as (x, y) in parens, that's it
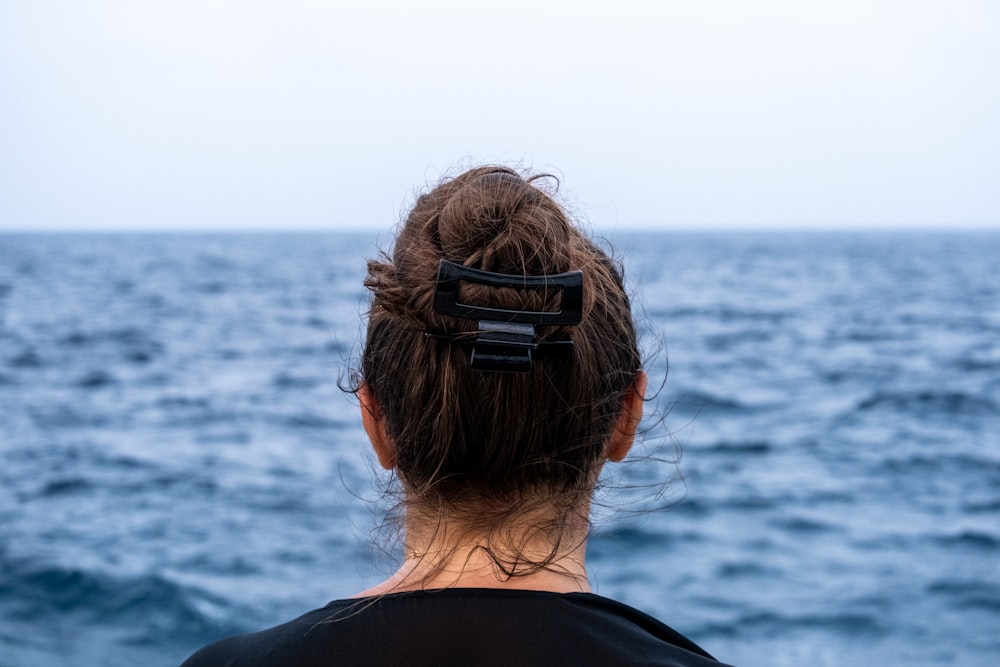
(463, 626)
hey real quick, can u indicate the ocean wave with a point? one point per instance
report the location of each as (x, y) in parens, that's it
(692, 507)
(701, 401)
(96, 379)
(755, 624)
(637, 539)
(937, 461)
(721, 342)
(801, 525)
(309, 420)
(65, 486)
(35, 592)
(285, 380)
(976, 594)
(83, 472)
(63, 416)
(725, 314)
(129, 343)
(974, 365)
(981, 506)
(969, 539)
(739, 447)
(197, 412)
(744, 570)
(946, 402)
(27, 358)
(751, 502)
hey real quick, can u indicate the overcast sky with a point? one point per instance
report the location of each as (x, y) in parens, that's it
(218, 114)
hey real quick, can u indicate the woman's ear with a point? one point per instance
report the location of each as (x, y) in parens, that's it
(374, 422)
(628, 422)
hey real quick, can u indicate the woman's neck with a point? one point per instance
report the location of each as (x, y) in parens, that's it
(437, 564)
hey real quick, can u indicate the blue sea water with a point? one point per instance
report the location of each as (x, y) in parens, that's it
(178, 463)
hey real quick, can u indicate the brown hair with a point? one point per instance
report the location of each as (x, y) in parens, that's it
(482, 447)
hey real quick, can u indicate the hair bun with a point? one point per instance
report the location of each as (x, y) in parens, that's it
(497, 221)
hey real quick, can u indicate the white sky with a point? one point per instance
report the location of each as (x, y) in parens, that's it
(197, 114)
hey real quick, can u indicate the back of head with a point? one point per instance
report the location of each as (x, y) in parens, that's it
(481, 444)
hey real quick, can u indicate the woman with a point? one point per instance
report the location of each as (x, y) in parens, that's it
(500, 373)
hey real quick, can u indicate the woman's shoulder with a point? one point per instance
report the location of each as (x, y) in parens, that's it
(464, 626)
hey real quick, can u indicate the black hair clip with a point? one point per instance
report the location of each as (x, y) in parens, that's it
(506, 338)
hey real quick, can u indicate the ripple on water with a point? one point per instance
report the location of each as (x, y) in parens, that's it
(39, 592)
(921, 402)
(970, 539)
(975, 594)
(764, 624)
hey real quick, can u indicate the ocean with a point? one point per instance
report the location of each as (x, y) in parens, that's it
(819, 481)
